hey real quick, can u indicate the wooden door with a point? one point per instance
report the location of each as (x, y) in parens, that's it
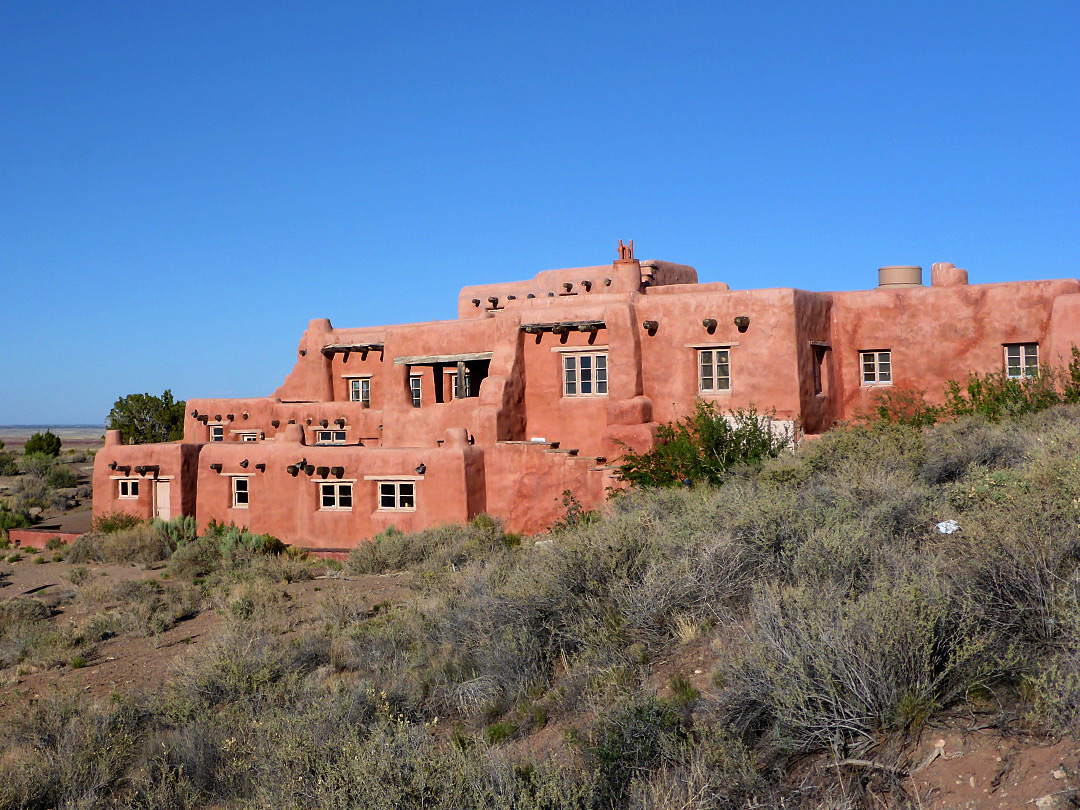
(162, 505)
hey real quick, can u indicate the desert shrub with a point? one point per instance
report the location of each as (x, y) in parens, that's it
(142, 543)
(717, 771)
(26, 493)
(180, 530)
(904, 406)
(438, 548)
(47, 443)
(60, 476)
(72, 753)
(833, 673)
(114, 522)
(194, 559)
(631, 742)
(8, 464)
(238, 541)
(11, 520)
(703, 446)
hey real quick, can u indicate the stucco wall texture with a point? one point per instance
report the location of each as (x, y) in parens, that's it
(539, 385)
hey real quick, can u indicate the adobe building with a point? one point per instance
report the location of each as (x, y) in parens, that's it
(537, 386)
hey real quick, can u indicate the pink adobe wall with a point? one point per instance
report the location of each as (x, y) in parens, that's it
(288, 506)
(175, 460)
(937, 333)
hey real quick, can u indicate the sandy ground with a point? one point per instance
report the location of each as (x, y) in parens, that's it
(131, 663)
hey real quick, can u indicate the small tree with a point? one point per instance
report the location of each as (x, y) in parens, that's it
(144, 418)
(703, 447)
(47, 443)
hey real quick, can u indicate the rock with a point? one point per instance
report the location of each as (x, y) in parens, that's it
(1058, 773)
(34, 511)
(948, 527)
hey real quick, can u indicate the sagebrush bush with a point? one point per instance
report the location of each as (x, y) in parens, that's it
(142, 542)
(114, 522)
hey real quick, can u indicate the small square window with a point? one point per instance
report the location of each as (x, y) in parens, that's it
(240, 492)
(585, 375)
(217, 433)
(330, 437)
(360, 390)
(128, 488)
(249, 437)
(397, 495)
(335, 496)
(1021, 360)
(714, 370)
(876, 367)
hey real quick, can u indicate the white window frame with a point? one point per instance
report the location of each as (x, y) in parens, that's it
(454, 384)
(417, 389)
(360, 390)
(876, 367)
(1021, 360)
(572, 376)
(337, 436)
(127, 489)
(248, 437)
(218, 431)
(241, 491)
(338, 493)
(710, 359)
(401, 493)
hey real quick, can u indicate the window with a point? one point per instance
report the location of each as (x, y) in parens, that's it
(249, 437)
(129, 489)
(876, 367)
(821, 356)
(360, 390)
(714, 370)
(335, 496)
(217, 433)
(331, 437)
(585, 375)
(397, 495)
(414, 386)
(456, 389)
(240, 492)
(1021, 360)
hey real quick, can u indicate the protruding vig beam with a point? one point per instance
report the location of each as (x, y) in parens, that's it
(348, 348)
(562, 327)
(442, 359)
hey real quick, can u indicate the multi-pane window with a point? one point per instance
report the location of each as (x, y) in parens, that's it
(1021, 360)
(397, 495)
(128, 489)
(585, 375)
(331, 437)
(217, 433)
(360, 390)
(249, 437)
(414, 387)
(335, 495)
(460, 392)
(876, 367)
(240, 492)
(714, 370)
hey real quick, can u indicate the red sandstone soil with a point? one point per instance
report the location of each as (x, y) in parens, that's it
(133, 663)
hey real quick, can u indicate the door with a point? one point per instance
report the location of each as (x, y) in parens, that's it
(162, 506)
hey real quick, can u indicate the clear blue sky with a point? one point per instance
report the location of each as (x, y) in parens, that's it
(184, 185)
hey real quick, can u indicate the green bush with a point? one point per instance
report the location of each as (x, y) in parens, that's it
(145, 418)
(47, 443)
(60, 477)
(703, 447)
(142, 543)
(11, 520)
(115, 521)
